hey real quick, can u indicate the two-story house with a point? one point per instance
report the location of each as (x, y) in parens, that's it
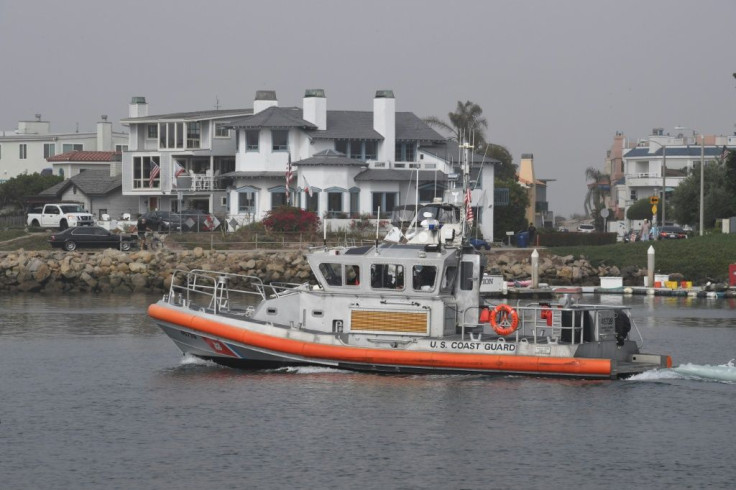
(661, 162)
(27, 149)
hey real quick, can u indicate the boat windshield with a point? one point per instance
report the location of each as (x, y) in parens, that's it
(443, 214)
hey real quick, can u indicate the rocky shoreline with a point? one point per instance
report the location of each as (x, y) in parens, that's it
(112, 271)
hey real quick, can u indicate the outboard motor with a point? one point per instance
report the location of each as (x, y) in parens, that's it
(623, 327)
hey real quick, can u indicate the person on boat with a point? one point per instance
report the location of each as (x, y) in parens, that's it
(142, 227)
(352, 274)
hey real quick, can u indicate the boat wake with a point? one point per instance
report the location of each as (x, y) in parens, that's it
(190, 360)
(310, 370)
(722, 373)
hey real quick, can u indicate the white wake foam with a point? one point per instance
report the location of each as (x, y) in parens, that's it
(725, 373)
(309, 370)
(190, 360)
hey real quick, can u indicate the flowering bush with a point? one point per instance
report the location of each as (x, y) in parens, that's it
(291, 219)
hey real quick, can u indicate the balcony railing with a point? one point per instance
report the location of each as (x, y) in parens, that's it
(198, 182)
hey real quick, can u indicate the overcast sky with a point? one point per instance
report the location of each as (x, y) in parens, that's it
(554, 78)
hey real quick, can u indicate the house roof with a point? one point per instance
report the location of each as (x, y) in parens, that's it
(90, 182)
(190, 116)
(359, 125)
(398, 175)
(677, 151)
(273, 117)
(329, 157)
(86, 156)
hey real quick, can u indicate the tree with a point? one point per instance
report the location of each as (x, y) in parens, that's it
(719, 199)
(595, 198)
(507, 169)
(513, 216)
(15, 191)
(466, 124)
(641, 209)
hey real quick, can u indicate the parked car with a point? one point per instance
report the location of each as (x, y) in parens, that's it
(90, 237)
(188, 220)
(479, 243)
(163, 220)
(586, 228)
(670, 232)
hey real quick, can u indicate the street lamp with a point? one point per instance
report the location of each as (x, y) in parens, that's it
(702, 173)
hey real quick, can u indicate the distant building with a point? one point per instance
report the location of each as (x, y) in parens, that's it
(643, 164)
(538, 211)
(26, 149)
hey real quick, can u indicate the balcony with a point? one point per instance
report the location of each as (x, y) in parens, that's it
(198, 183)
(644, 180)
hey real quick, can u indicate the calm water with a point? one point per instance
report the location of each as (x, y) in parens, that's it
(94, 396)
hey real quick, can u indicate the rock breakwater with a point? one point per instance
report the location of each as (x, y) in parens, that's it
(112, 271)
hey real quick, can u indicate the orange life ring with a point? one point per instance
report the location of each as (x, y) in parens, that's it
(503, 327)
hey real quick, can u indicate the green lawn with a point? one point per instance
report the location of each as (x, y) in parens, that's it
(696, 258)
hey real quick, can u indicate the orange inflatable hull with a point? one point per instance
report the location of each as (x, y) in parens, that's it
(309, 351)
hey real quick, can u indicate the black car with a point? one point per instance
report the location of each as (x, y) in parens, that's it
(670, 233)
(90, 237)
(188, 220)
(163, 220)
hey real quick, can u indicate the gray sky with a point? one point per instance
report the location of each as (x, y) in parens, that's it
(554, 78)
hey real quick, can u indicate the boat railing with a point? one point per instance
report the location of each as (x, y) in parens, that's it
(215, 291)
(541, 323)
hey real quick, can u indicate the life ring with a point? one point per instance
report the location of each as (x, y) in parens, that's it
(509, 320)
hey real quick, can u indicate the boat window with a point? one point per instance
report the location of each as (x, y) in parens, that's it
(466, 276)
(423, 277)
(448, 282)
(332, 273)
(352, 275)
(387, 276)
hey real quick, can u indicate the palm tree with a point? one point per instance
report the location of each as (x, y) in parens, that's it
(466, 123)
(600, 186)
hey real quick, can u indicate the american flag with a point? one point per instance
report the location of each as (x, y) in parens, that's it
(178, 170)
(468, 206)
(307, 189)
(288, 178)
(155, 170)
(724, 154)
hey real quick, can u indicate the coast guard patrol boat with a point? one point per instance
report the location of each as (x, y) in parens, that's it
(412, 307)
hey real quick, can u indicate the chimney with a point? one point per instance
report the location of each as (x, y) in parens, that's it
(264, 100)
(138, 107)
(315, 107)
(384, 122)
(104, 134)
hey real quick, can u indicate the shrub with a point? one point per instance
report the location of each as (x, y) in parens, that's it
(291, 219)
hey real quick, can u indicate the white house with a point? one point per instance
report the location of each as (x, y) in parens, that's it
(26, 149)
(342, 163)
(662, 162)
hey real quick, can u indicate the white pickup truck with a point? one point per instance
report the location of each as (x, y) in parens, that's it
(60, 216)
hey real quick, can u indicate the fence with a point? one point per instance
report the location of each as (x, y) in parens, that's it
(14, 221)
(285, 241)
